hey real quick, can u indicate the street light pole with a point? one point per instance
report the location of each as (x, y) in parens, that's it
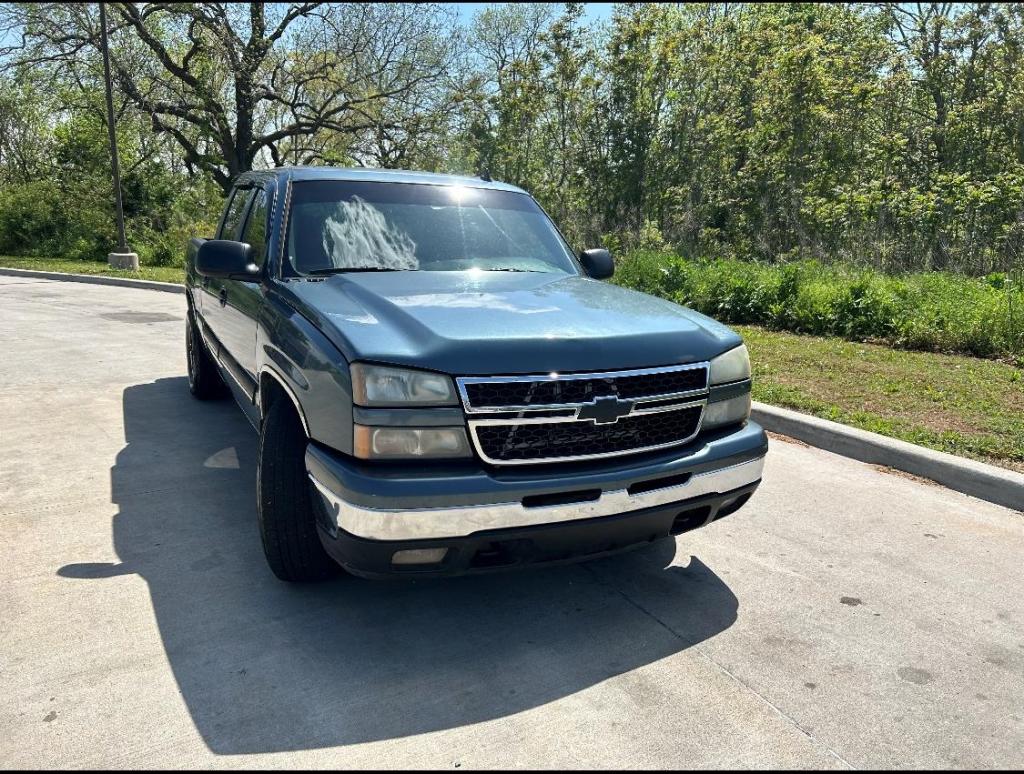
(122, 258)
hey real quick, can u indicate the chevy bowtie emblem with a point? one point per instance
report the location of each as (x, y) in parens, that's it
(605, 410)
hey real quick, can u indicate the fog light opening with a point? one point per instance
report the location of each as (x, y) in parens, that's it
(731, 506)
(691, 519)
(419, 556)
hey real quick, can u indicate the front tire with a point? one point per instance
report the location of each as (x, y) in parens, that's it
(204, 380)
(286, 516)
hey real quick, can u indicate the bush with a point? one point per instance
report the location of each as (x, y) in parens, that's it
(936, 311)
(55, 219)
(39, 219)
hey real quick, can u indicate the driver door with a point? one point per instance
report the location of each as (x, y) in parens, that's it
(214, 292)
(240, 301)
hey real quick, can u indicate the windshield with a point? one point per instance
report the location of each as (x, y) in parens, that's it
(338, 225)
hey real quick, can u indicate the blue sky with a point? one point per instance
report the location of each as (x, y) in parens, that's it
(591, 11)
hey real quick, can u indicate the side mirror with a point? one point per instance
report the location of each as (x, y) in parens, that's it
(226, 259)
(597, 263)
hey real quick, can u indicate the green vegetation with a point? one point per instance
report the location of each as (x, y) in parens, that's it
(883, 135)
(55, 187)
(954, 404)
(937, 311)
(79, 266)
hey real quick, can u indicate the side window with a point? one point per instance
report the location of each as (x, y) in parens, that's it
(233, 215)
(256, 226)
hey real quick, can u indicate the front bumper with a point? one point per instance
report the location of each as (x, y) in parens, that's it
(488, 518)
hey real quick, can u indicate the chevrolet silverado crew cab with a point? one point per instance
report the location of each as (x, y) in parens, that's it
(442, 386)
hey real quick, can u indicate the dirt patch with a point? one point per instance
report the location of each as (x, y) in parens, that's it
(903, 474)
(787, 439)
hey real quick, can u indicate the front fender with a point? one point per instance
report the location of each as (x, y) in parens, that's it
(291, 351)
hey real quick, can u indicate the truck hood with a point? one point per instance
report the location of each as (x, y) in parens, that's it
(466, 323)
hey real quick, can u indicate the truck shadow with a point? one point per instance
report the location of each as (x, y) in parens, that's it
(266, 667)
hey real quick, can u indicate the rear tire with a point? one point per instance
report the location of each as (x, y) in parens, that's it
(286, 516)
(204, 380)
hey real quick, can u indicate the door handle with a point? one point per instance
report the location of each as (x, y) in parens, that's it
(223, 297)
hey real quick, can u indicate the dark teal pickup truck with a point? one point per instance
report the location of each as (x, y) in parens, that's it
(442, 386)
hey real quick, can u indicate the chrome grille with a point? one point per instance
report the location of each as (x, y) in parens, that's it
(515, 420)
(538, 441)
(502, 395)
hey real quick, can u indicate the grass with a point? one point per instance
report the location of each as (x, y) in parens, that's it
(930, 311)
(958, 404)
(158, 273)
(962, 405)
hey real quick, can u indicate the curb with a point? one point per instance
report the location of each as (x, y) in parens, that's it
(95, 279)
(986, 482)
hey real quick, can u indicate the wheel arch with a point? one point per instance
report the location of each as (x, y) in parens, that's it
(271, 387)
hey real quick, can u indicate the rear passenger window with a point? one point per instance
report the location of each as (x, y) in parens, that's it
(256, 227)
(233, 216)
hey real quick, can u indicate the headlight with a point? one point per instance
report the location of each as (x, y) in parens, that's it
(381, 443)
(733, 366)
(727, 412)
(385, 386)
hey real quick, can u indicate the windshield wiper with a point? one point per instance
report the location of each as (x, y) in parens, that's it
(343, 269)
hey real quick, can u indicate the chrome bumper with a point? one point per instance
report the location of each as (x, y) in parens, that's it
(436, 523)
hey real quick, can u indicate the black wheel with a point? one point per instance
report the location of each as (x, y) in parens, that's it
(204, 380)
(285, 507)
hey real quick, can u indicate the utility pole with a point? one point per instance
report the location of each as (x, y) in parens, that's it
(122, 258)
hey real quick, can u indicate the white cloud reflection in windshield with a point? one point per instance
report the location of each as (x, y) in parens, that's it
(357, 235)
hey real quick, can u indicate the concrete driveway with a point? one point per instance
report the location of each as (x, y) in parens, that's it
(847, 617)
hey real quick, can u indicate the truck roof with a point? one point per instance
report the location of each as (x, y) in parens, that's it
(363, 174)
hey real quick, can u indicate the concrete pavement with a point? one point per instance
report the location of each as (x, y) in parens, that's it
(845, 617)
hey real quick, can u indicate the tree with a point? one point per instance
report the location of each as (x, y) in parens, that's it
(25, 108)
(506, 91)
(232, 84)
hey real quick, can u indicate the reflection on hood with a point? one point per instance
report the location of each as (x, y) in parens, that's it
(470, 301)
(357, 235)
